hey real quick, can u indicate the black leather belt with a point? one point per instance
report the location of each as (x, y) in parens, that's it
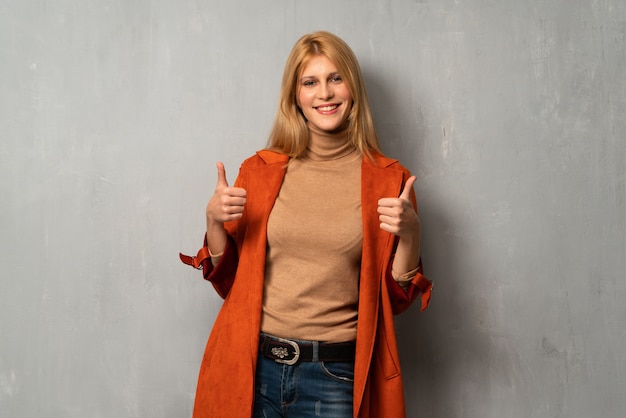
(291, 352)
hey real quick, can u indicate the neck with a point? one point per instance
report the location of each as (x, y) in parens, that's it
(325, 145)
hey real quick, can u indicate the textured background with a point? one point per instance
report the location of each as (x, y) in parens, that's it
(511, 113)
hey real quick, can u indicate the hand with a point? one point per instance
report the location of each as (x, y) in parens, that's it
(396, 214)
(227, 203)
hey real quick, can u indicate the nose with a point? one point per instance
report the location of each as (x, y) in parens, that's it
(325, 91)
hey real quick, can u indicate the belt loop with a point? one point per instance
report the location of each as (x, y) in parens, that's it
(316, 351)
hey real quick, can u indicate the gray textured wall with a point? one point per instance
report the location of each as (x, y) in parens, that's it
(511, 113)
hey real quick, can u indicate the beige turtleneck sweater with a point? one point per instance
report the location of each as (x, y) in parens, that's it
(314, 237)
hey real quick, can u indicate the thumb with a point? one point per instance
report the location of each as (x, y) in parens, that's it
(406, 192)
(221, 175)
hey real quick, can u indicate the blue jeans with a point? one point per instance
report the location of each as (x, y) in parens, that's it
(306, 389)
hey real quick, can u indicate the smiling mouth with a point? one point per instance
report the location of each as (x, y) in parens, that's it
(328, 108)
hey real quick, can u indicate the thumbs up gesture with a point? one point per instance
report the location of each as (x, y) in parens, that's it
(227, 203)
(396, 214)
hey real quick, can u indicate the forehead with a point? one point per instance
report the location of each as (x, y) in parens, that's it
(318, 65)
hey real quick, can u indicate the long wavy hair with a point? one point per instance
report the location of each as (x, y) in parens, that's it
(290, 134)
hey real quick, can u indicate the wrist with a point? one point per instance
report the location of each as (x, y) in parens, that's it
(213, 225)
(216, 237)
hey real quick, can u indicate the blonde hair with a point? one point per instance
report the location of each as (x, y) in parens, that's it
(290, 134)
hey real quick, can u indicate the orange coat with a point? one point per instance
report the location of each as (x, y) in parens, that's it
(226, 381)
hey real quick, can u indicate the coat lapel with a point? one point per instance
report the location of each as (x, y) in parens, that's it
(263, 184)
(377, 181)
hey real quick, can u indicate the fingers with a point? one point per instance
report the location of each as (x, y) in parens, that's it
(391, 202)
(406, 192)
(227, 203)
(398, 221)
(222, 184)
(396, 214)
(221, 175)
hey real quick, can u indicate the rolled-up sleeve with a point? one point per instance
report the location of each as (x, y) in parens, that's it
(401, 298)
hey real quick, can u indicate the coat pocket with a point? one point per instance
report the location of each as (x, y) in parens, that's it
(386, 356)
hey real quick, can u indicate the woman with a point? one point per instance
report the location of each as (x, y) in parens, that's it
(314, 249)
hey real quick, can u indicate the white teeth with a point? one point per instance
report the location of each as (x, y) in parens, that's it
(327, 108)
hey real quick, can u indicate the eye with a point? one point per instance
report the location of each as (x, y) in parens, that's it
(308, 83)
(336, 79)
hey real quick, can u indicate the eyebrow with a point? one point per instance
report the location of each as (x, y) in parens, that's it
(334, 73)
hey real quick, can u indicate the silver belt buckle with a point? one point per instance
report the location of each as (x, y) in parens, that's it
(282, 352)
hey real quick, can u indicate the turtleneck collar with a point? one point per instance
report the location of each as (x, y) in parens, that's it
(328, 146)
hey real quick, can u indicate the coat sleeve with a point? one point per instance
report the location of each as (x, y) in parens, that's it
(401, 299)
(221, 276)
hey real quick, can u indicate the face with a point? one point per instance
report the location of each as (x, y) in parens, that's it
(322, 95)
